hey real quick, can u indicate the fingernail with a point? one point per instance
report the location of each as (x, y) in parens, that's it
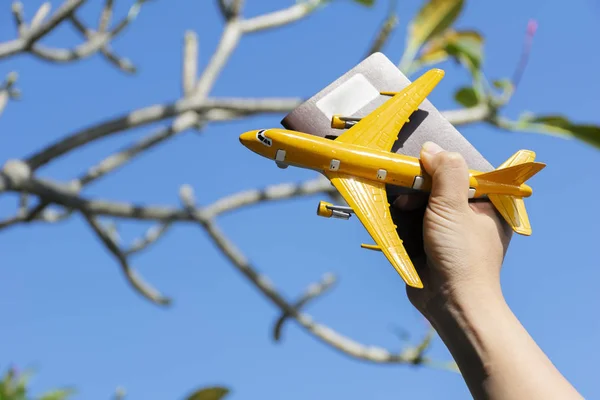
(431, 148)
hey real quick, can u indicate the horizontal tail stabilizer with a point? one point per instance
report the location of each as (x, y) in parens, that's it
(513, 175)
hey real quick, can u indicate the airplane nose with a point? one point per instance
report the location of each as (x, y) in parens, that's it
(247, 137)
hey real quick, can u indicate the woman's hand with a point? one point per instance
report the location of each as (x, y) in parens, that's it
(464, 242)
(459, 260)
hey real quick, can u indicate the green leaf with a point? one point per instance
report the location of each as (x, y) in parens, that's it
(464, 46)
(58, 394)
(507, 88)
(503, 84)
(211, 393)
(560, 125)
(367, 3)
(467, 97)
(433, 19)
(467, 48)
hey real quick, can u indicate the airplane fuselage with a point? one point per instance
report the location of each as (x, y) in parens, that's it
(325, 155)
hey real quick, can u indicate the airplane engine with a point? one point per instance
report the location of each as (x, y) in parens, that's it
(328, 210)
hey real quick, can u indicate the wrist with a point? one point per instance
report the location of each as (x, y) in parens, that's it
(471, 298)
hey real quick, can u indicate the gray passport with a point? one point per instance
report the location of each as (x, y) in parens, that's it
(356, 94)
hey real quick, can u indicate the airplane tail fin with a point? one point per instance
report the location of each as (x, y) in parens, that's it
(512, 209)
(514, 171)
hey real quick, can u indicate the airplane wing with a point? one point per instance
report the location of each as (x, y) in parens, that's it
(369, 201)
(380, 129)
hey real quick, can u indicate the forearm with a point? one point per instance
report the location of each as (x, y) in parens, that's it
(496, 355)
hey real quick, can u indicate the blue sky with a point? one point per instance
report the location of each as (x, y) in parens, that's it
(68, 312)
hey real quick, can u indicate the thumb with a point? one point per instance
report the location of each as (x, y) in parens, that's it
(450, 178)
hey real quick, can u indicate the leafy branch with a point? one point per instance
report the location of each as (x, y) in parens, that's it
(432, 39)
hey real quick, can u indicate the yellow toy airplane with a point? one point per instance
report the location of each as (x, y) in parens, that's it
(359, 163)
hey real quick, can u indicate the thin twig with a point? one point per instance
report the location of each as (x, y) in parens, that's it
(236, 8)
(120, 62)
(134, 10)
(36, 33)
(132, 277)
(114, 161)
(281, 17)
(190, 62)
(270, 193)
(105, 16)
(385, 31)
(17, 12)
(40, 15)
(7, 90)
(224, 8)
(151, 236)
(229, 40)
(80, 52)
(315, 290)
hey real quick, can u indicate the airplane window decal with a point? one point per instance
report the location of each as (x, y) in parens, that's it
(265, 140)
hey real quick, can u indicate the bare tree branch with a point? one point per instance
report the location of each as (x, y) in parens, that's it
(134, 10)
(150, 237)
(313, 291)
(190, 62)
(281, 17)
(224, 8)
(132, 277)
(121, 63)
(36, 33)
(84, 50)
(7, 90)
(262, 283)
(105, 16)
(96, 41)
(270, 193)
(67, 196)
(17, 12)
(385, 31)
(156, 113)
(230, 9)
(114, 161)
(40, 15)
(229, 40)
(28, 37)
(466, 116)
(236, 7)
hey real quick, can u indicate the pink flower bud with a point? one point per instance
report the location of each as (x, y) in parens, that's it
(532, 26)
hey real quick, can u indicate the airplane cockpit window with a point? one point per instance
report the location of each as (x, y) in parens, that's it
(264, 140)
